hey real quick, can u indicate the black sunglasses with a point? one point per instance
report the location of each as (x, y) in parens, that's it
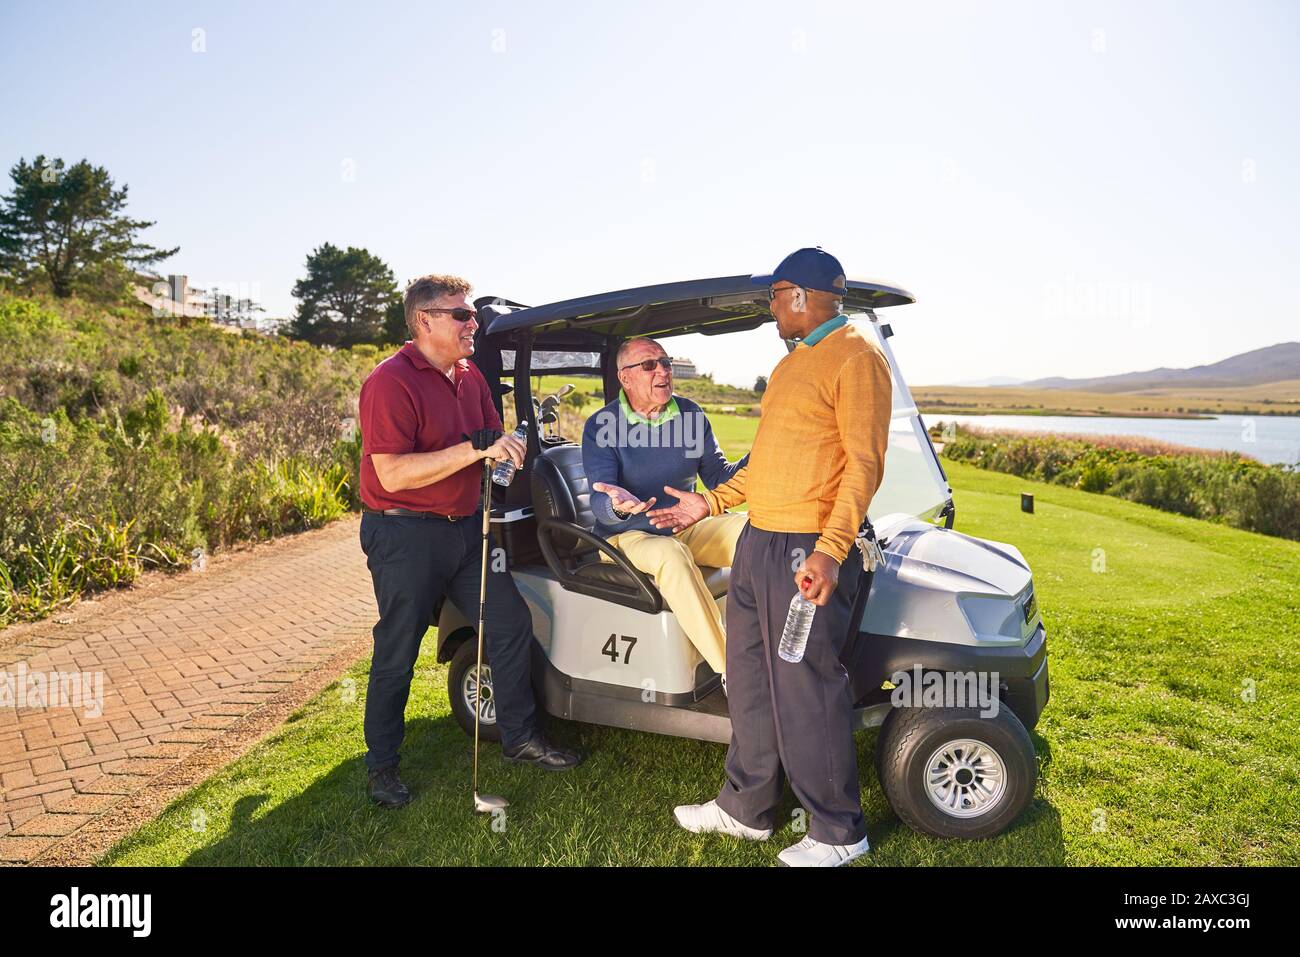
(773, 290)
(460, 315)
(648, 365)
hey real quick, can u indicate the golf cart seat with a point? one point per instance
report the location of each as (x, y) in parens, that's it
(562, 506)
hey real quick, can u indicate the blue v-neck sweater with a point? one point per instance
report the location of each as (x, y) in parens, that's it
(622, 448)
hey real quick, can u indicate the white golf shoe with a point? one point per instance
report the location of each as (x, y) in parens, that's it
(699, 818)
(810, 853)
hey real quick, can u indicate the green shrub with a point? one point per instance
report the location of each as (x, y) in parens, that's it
(1096, 477)
(128, 443)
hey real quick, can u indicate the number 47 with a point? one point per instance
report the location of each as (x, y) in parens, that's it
(611, 648)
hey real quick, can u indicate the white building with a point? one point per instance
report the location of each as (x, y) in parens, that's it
(684, 368)
(171, 297)
(174, 296)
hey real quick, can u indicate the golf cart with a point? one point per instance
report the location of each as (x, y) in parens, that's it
(942, 606)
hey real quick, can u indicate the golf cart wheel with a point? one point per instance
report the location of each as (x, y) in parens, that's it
(464, 691)
(950, 773)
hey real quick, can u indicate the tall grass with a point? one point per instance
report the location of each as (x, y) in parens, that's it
(128, 444)
(1221, 487)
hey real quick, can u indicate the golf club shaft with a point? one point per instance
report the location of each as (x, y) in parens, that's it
(482, 605)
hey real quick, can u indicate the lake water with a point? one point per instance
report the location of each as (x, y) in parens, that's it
(1270, 438)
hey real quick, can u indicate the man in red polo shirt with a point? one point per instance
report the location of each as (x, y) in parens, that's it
(427, 422)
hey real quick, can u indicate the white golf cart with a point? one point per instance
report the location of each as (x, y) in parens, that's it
(944, 607)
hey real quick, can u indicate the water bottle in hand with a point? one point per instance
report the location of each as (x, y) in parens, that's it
(798, 623)
(504, 473)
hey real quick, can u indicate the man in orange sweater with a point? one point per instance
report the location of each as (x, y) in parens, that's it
(817, 460)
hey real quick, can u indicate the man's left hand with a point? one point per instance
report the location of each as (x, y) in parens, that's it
(824, 573)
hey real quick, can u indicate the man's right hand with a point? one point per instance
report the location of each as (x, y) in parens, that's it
(506, 447)
(690, 508)
(622, 501)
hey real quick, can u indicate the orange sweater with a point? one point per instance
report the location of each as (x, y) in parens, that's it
(819, 455)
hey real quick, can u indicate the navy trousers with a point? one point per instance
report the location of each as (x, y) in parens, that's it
(415, 562)
(789, 719)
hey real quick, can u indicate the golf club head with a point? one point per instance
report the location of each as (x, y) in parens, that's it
(550, 402)
(565, 390)
(487, 803)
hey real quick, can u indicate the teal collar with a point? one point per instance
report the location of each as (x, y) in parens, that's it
(824, 330)
(670, 411)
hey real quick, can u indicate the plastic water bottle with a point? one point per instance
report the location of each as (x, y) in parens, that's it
(798, 623)
(504, 473)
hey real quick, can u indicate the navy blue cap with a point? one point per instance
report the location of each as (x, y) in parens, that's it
(810, 268)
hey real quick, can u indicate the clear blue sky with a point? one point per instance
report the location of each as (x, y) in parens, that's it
(1068, 189)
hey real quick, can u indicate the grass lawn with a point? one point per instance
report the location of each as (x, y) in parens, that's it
(1150, 751)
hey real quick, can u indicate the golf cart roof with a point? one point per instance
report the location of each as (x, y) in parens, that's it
(708, 306)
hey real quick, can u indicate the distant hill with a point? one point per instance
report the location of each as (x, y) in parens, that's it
(1270, 364)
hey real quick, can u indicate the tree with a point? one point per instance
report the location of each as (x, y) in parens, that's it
(345, 298)
(66, 229)
(760, 384)
(395, 329)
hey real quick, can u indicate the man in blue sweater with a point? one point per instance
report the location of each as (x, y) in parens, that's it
(633, 450)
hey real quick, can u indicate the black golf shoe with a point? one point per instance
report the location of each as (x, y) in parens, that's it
(537, 750)
(386, 788)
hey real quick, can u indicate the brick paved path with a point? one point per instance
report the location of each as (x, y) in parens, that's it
(178, 668)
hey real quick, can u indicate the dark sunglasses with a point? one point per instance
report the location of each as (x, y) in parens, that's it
(773, 290)
(460, 315)
(648, 365)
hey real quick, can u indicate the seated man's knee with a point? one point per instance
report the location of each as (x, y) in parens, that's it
(673, 557)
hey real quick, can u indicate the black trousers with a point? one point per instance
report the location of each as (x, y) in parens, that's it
(414, 563)
(789, 719)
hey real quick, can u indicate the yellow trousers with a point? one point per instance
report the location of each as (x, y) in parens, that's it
(673, 562)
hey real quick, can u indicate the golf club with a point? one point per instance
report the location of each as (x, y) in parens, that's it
(483, 803)
(548, 414)
(551, 401)
(549, 418)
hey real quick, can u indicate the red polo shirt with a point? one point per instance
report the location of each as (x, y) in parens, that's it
(408, 405)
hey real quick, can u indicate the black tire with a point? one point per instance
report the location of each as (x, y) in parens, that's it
(462, 667)
(911, 739)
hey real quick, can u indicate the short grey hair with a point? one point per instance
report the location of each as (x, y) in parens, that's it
(622, 350)
(424, 292)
